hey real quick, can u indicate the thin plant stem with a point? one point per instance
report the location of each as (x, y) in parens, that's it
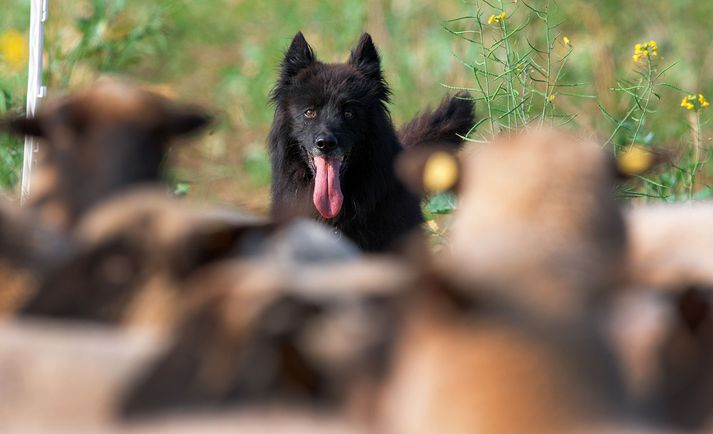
(695, 121)
(649, 89)
(549, 66)
(512, 100)
(488, 101)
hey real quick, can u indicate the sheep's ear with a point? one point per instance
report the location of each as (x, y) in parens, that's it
(23, 126)
(180, 121)
(297, 57)
(365, 58)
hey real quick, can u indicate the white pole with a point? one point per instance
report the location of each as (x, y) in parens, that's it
(35, 89)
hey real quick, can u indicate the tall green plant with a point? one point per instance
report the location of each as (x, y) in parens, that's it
(517, 81)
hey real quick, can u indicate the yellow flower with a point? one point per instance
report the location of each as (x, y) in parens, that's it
(566, 41)
(686, 103)
(551, 97)
(693, 102)
(13, 49)
(496, 18)
(645, 50)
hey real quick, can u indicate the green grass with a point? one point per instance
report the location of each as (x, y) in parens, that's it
(10, 146)
(526, 64)
(224, 54)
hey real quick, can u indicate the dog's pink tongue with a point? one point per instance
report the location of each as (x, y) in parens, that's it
(327, 196)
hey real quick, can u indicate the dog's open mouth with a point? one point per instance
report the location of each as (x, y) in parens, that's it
(327, 196)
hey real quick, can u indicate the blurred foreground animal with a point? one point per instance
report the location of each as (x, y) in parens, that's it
(416, 336)
(72, 377)
(280, 330)
(28, 250)
(269, 340)
(133, 253)
(669, 350)
(96, 143)
(283, 327)
(99, 141)
(510, 341)
(333, 146)
(541, 208)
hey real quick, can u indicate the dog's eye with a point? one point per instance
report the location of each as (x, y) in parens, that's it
(348, 114)
(310, 114)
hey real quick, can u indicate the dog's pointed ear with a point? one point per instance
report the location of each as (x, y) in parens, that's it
(23, 126)
(298, 56)
(365, 58)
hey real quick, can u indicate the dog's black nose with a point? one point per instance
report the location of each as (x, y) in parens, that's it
(325, 142)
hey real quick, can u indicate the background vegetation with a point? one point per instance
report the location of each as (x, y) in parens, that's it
(224, 54)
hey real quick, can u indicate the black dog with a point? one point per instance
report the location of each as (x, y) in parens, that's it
(333, 146)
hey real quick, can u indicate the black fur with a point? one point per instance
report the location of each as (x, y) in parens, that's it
(445, 125)
(348, 102)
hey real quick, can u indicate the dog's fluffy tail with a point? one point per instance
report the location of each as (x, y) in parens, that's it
(442, 126)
